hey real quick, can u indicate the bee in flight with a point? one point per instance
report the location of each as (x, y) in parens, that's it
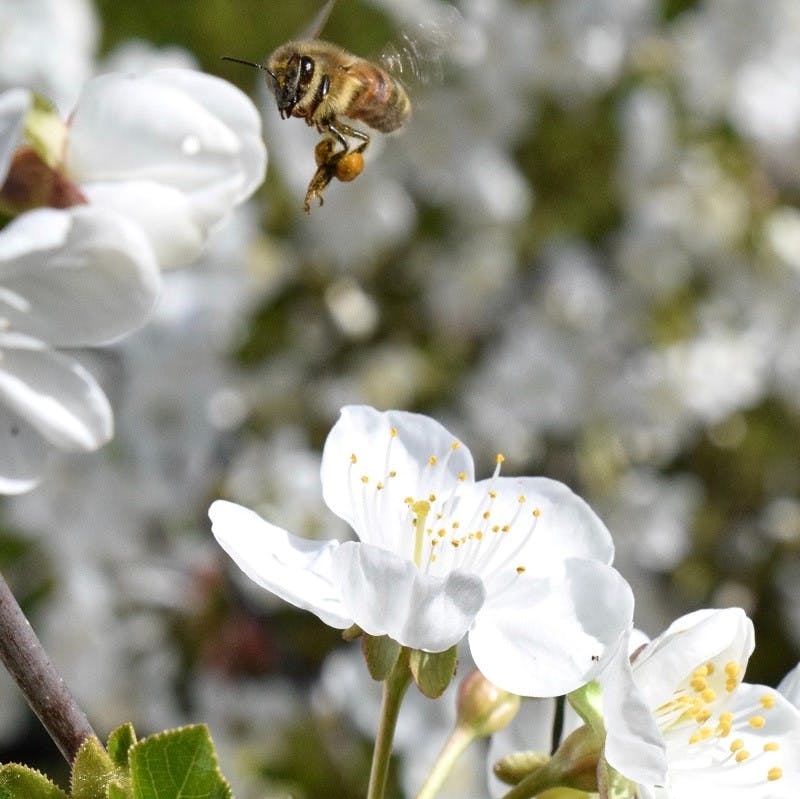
(319, 82)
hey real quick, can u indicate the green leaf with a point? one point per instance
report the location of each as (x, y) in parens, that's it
(381, 654)
(177, 764)
(119, 742)
(117, 791)
(433, 671)
(21, 782)
(92, 770)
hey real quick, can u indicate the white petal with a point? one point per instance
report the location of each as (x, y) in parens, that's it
(543, 523)
(692, 641)
(75, 277)
(164, 213)
(185, 129)
(790, 686)
(361, 453)
(388, 595)
(634, 744)
(295, 569)
(707, 768)
(14, 105)
(22, 454)
(548, 636)
(54, 394)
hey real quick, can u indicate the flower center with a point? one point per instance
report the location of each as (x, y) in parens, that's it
(695, 718)
(455, 524)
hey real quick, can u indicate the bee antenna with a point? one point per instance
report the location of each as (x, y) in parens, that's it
(250, 64)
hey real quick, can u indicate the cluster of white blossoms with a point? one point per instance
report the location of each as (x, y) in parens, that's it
(521, 566)
(146, 167)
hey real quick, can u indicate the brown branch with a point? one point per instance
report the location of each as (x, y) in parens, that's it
(38, 679)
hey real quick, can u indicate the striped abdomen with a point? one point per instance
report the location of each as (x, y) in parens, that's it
(382, 102)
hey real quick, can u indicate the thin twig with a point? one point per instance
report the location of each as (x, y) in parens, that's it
(38, 679)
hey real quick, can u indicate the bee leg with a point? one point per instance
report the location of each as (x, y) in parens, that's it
(341, 131)
(326, 157)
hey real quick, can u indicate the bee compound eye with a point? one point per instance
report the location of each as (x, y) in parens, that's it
(306, 67)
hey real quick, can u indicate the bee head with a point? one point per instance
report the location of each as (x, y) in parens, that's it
(291, 84)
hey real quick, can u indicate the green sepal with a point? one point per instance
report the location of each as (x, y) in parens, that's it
(381, 654)
(587, 702)
(611, 784)
(433, 671)
(177, 764)
(352, 632)
(119, 743)
(92, 771)
(513, 768)
(21, 782)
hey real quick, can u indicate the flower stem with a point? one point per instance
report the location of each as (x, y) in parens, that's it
(394, 689)
(454, 747)
(22, 654)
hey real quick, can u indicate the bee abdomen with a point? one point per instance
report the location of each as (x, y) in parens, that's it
(382, 103)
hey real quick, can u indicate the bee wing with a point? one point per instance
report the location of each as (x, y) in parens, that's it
(422, 49)
(313, 30)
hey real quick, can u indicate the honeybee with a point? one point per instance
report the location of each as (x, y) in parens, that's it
(320, 82)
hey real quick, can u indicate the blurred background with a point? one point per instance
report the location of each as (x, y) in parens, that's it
(583, 252)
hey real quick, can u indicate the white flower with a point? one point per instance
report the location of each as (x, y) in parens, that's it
(723, 737)
(520, 564)
(68, 278)
(174, 149)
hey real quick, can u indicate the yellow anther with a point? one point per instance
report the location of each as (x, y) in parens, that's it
(496, 528)
(700, 671)
(353, 458)
(742, 755)
(379, 486)
(505, 528)
(694, 738)
(432, 460)
(393, 432)
(732, 669)
(462, 476)
(767, 701)
(456, 525)
(723, 730)
(756, 722)
(455, 445)
(736, 744)
(537, 512)
(521, 498)
(433, 556)
(434, 542)
(520, 569)
(486, 514)
(479, 535)
(699, 684)
(726, 717)
(431, 497)
(409, 500)
(771, 746)
(703, 715)
(731, 684)
(364, 478)
(709, 669)
(442, 533)
(492, 494)
(709, 695)
(393, 473)
(775, 773)
(454, 542)
(499, 458)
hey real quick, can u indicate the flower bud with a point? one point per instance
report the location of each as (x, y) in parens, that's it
(484, 708)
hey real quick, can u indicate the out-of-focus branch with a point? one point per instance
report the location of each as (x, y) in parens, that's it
(22, 654)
